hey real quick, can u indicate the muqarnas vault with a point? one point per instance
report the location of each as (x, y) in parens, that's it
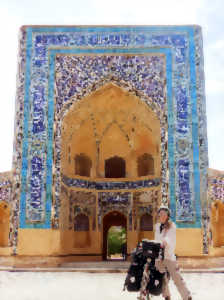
(110, 123)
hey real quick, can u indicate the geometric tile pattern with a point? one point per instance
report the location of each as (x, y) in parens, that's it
(216, 188)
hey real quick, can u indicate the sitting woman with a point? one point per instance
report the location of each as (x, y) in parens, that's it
(165, 232)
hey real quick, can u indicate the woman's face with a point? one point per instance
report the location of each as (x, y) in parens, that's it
(163, 216)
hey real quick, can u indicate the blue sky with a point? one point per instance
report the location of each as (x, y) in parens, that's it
(208, 14)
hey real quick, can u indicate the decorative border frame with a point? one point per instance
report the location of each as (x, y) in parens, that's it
(184, 66)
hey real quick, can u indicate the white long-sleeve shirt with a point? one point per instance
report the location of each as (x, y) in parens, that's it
(169, 237)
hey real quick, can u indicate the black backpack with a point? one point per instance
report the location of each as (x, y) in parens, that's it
(156, 281)
(145, 252)
(135, 271)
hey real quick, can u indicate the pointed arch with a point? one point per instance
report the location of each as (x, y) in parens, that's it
(112, 218)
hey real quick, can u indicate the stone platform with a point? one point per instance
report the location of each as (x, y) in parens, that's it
(52, 264)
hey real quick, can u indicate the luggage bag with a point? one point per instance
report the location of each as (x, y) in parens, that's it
(143, 261)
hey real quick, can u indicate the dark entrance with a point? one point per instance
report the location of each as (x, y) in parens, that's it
(113, 218)
(115, 167)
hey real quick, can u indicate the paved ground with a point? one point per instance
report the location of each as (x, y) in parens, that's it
(95, 286)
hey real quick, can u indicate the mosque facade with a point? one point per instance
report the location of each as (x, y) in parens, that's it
(110, 123)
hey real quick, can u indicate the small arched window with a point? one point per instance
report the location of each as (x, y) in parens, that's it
(81, 223)
(145, 165)
(83, 165)
(115, 167)
(146, 222)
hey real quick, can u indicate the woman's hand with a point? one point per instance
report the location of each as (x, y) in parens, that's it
(164, 244)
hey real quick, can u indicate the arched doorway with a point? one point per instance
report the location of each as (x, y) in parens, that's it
(113, 218)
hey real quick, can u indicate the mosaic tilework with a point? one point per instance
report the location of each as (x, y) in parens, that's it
(145, 73)
(110, 185)
(36, 186)
(183, 121)
(216, 188)
(5, 187)
(82, 202)
(5, 193)
(109, 201)
(6, 196)
(144, 202)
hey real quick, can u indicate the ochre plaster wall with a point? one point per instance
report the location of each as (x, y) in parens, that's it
(55, 242)
(216, 251)
(4, 224)
(38, 242)
(217, 223)
(6, 251)
(80, 242)
(189, 242)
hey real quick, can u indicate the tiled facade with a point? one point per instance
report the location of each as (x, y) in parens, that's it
(215, 186)
(162, 65)
(5, 187)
